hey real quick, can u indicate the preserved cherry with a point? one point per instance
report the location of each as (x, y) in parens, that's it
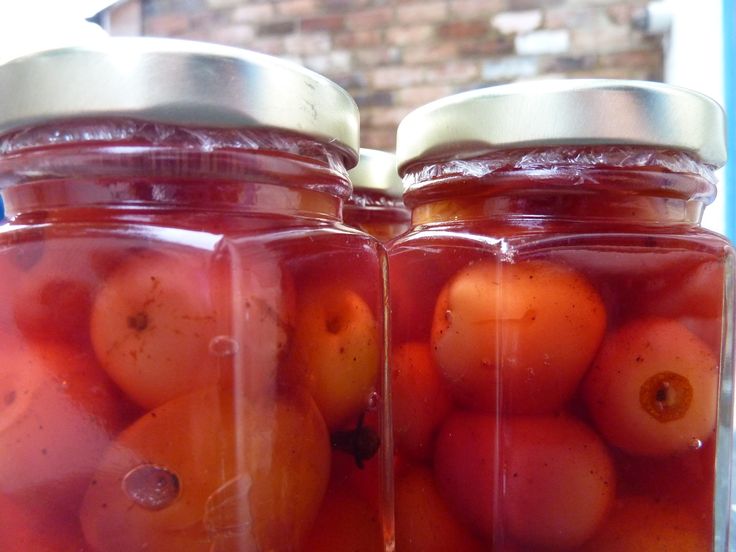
(51, 282)
(179, 479)
(424, 521)
(58, 413)
(336, 351)
(559, 482)
(420, 399)
(504, 473)
(151, 324)
(468, 470)
(652, 388)
(535, 326)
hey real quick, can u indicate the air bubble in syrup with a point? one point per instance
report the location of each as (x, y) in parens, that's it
(374, 399)
(223, 345)
(151, 487)
(696, 444)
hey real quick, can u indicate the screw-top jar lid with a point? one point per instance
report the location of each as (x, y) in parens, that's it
(177, 82)
(376, 170)
(565, 112)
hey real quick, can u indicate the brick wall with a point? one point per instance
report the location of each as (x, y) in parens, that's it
(393, 55)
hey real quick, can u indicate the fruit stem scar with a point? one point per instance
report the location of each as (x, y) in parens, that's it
(138, 321)
(151, 487)
(666, 396)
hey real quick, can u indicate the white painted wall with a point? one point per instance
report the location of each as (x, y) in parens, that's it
(694, 59)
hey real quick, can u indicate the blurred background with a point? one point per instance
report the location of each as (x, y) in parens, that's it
(394, 55)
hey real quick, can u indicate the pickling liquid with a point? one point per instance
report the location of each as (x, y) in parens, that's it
(556, 366)
(189, 366)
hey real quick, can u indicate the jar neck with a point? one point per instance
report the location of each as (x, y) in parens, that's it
(77, 198)
(597, 185)
(129, 166)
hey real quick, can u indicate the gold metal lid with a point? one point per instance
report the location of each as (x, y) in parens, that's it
(376, 170)
(564, 112)
(177, 82)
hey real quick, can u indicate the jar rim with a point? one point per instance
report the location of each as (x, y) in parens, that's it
(574, 112)
(179, 82)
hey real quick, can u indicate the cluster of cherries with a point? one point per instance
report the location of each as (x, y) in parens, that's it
(155, 400)
(529, 421)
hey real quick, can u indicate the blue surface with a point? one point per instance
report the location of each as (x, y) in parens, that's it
(729, 66)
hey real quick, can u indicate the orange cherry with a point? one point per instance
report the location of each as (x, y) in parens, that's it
(653, 389)
(559, 481)
(211, 471)
(423, 519)
(467, 469)
(516, 337)
(336, 351)
(420, 399)
(151, 326)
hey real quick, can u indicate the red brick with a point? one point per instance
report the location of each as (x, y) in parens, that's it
(463, 29)
(359, 39)
(333, 22)
(422, 12)
(635, 58)
(372, 18)
(487, 46)
(277, 28)
(296, 7)
(409, 34)
(432, 53)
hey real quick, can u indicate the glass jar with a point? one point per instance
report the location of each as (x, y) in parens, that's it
(375, 205)
(562, 326)
(192, 341)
